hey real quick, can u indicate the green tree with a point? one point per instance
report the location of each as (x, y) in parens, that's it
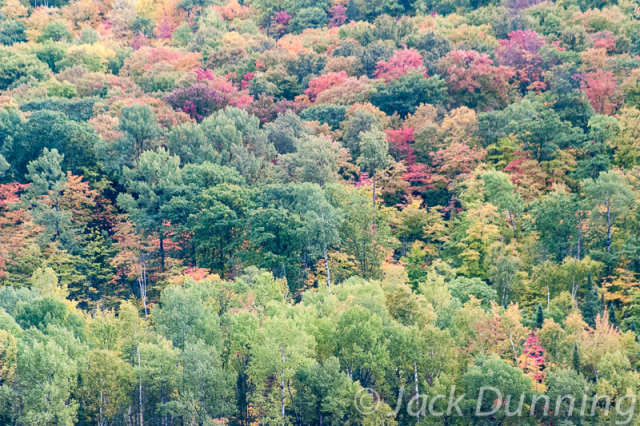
(46, 379)
(374, 155)
(500, 192)
(590, 304)
(611, 197)
(155, 179)
(105, 385)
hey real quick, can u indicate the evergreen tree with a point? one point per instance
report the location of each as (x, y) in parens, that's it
(590, 304)
(612, 315)
(575, 358)
(539, 316)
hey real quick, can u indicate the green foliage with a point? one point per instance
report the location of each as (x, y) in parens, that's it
(405, 94)
(20, 68)
(263, 212)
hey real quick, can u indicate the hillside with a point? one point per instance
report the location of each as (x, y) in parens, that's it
(329, 212)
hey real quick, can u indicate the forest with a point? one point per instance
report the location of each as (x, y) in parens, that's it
(319, 212)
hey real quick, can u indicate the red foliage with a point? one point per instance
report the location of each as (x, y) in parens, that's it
(455, 163)
(337, 15)
(324, 82)
(419, 177)
(399, 147)
(400, 64)
(600, 87)
(532, 359)
(246, 80)
(604, 40)
(16, 228)
(364, 180)
(165, 28)
(473, 72)
(282, 17)
(140, 40)
(522, 52)
(279, 23)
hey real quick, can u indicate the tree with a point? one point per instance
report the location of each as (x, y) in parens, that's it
(600, 87)
(612, 315)
(590, 305)
(474, 80)
(60, 203)
(400, 64)
(324, 82)
(374, 155)
(186, 317)
(198, 100)
(105, 385)
(316, 160)
(308, 17)
(138, 122)
(539, 319)
(522, 52)
(18, 68)
(46, 377)
(284, 349)
(324, 393)
(405, 94)
(559, 221)
(611, 198)
(155, 180)
(500, 192)
(321, 222)
(205, 388)
(493, 372)
(188, 142)
(284, 132)
(575, 358)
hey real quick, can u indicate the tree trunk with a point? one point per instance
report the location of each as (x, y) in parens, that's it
(579, 238)
(374, 191)
(142, 282)
(326, 265)
(325, 253)
(282, 385)
(608, 204)
(548, 296)
(415, 380)
(404, 245)
(140, 390)
(513, 224)
(161, 251)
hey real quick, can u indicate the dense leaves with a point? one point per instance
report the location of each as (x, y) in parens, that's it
(250, 212)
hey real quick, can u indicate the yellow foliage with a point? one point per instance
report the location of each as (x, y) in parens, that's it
(8, 357)
(292, 44)
(13, 9)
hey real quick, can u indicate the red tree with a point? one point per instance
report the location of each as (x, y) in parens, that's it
(475, 80)
(522, 52)
(399, 65)
(600, 87)
(419, 177)
(399, 147)
(532, 361)
(324, 82)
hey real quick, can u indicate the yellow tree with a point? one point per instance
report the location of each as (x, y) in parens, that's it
(482, 233)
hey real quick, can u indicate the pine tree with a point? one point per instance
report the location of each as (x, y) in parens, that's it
(635, 330)
(575, 361)
(590, 304)
(539, 316)
(612, 315)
